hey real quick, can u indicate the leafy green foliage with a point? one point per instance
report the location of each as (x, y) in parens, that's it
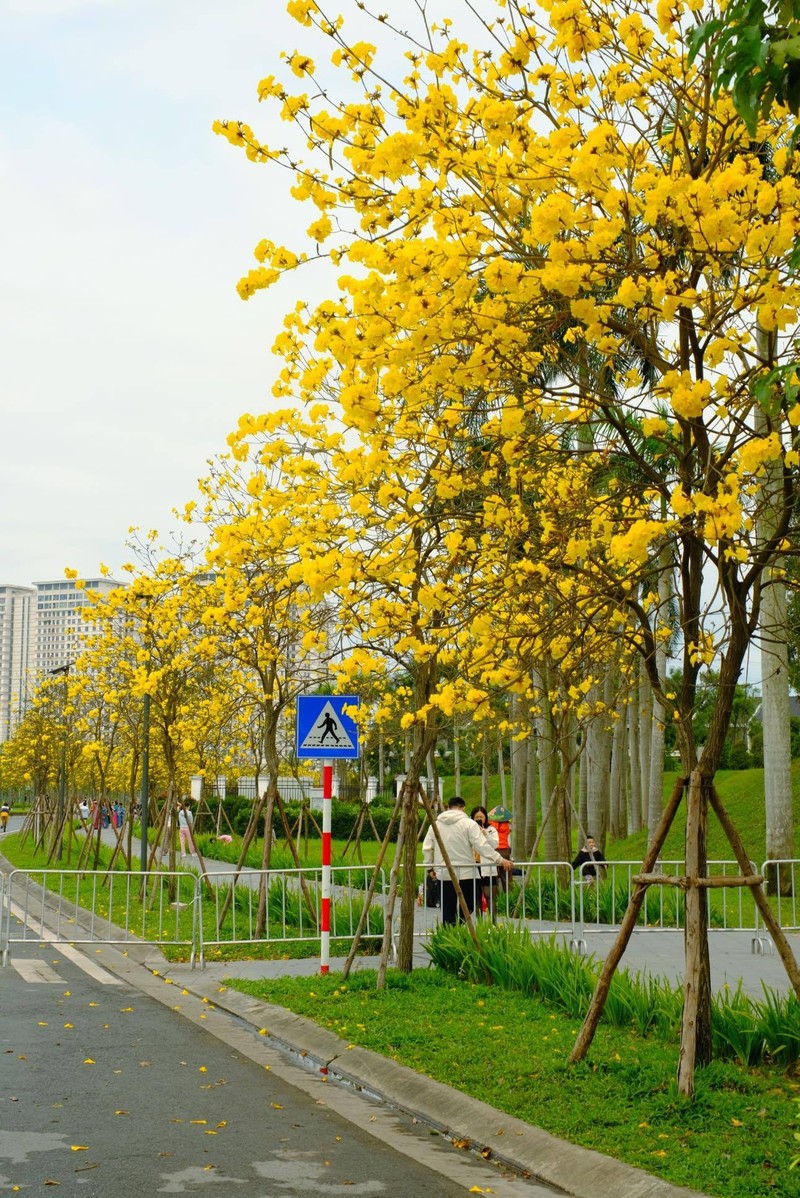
(744, 1029)
(755, 52)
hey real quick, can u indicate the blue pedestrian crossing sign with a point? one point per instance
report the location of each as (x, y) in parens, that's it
(324, 729)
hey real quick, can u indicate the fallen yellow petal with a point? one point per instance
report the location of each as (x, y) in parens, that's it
(277, 1106)
(79, 1147)
(88, 1061)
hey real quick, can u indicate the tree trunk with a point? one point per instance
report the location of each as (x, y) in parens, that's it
(696, 1043)
(776, 723)
(619, 754)
(598, 754)
(501, 769)
(519, 777)
(530, 798)
(456, 759)
(484, 768)
(548, 769)
(635, 773)
(773, 628)
(645, 736)
(583, 785)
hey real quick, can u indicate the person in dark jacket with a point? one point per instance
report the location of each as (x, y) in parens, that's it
(585, 861)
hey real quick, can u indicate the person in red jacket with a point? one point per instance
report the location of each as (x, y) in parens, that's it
(500, 819)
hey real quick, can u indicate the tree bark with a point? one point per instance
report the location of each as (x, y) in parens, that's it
(775, 710)
(696, 1042)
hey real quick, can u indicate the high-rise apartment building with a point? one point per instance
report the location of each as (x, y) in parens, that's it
(17, 608)
(61, 620)
(42, 628)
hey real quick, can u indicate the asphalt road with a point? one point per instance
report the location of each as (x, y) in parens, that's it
(106, 1090)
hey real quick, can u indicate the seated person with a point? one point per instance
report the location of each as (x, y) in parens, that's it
(586, 858)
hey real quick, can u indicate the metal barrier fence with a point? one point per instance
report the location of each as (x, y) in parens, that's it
(217, 910)
(540, 895)
(283, 906)
(782, 875)
(604, 889)
(100, 907)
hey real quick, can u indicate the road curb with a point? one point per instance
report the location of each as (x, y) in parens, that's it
(575, 1171)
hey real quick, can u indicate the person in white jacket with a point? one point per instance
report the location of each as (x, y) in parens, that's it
(466, 846)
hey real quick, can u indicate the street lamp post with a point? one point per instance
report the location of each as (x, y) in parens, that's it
(63, 671)
(143, 794)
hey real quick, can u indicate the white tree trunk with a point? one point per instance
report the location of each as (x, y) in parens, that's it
(635, 771)
(645, 736)
(548, 768)
(775, 710)
(655, 802)
(519, 776)
(598, 761)
(619, 754)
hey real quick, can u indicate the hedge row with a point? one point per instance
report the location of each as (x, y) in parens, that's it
(344, 817)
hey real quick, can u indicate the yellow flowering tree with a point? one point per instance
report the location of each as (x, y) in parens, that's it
(560, 228)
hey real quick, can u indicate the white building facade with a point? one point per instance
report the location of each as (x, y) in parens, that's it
(17, 639)
(42, 628)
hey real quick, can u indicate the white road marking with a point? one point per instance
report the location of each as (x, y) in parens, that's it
(66, 950)
(36, 971)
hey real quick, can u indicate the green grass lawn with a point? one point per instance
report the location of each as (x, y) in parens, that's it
(735, 1140)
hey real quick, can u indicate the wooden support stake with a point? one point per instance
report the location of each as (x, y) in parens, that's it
(775, 930)
(715, 883)
(586, 1034)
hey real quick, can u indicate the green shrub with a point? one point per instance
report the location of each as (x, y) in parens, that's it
(744, 1029)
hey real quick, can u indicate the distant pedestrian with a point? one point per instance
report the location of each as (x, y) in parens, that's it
(185, 828)
(5, 811)
(489, 879)
(463, 841)
(500, 818)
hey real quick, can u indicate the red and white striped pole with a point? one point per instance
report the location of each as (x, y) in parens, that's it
(325, 925)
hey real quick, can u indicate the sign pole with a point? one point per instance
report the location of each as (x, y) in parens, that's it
(325, 927)
(326, 731)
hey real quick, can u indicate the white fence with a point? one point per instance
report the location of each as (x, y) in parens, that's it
(99, 907)
(219, 911)
(283, 906)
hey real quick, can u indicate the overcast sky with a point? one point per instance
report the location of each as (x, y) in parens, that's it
(126, 355)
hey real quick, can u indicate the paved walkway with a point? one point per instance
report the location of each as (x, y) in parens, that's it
(650, 951)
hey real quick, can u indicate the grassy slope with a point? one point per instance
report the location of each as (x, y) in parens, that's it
(510, 1050)
(742, 792)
